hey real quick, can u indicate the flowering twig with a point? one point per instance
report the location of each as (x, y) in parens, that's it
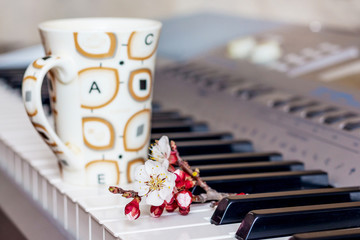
(125, 193)
(211, 194)
(163, 186)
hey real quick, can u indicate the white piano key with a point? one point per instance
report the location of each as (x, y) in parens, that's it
(117, 213)
(49, 204)
(14, 121)
(71, 216)
(22, 147)
(15, 126)
(34, 184)
(108, 236)
(31, 147)
(122, 226)
(53, 177)
(44, 165)
(18, 169)
(22, 138)
(84, 223)
(64, 187)
(15, 106)
(102, 202)
(10, 156)
(2, 154)
(195, 232)
(96, 229)
(28, 147)
(60, 205)
(42, 193)
(27, 177)
(77, 221)
(50, 168)
(80, 192)
(25, 139)
(34, 156)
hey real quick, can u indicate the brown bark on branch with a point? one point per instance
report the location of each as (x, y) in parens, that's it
(125, 193)
(211, 194)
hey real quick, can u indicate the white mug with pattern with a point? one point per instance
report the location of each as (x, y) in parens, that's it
(100, 82)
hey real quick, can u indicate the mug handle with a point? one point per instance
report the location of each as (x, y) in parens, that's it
(64, 70)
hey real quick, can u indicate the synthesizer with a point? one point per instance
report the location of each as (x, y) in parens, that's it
(273, 114)
(304, 102)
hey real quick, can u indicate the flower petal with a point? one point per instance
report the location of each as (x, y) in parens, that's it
(165, 192)
(165, 164)
(140, 173)
(164, 145)
(169, 197)
(171, 178)
(153, 198)
(153, 167)
(141, 188)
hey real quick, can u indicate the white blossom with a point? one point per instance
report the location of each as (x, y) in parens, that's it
(155, 182)
(160, 151)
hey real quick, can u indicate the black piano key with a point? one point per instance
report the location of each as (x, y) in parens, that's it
(232, 158)
(14, 77)
(173, 120)
(164, 118)
(282, 102)
(351, 126)
(211, 80)
(252, 92)
(319, 112)
(338, 118)
(169, 127)
(196, 73)
(266, 182)
(12, 74)
(245, 168)
(298, 107)
(234, 208)
(339, 234)
(156, 106)
(194, 136)
(213, 146)
(276, 222)
(15, 82)
(165, 114)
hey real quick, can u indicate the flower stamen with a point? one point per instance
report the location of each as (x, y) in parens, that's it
(155, 183)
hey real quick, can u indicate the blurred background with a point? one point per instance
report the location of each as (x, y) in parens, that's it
(19, 19)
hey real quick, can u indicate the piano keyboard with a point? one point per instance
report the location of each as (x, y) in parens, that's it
(284, 198)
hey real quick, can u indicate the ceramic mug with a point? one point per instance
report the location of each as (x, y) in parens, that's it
(100, 74)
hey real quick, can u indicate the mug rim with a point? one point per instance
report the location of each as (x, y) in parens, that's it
(96, 24)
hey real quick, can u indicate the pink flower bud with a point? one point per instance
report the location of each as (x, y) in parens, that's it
(156, 211)
(184, 211)
(171, 168)
(171, 205)
(189, 184)
(132, 210)
(173, 158)
(172, 199)
(180, 178)
(184, 199)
